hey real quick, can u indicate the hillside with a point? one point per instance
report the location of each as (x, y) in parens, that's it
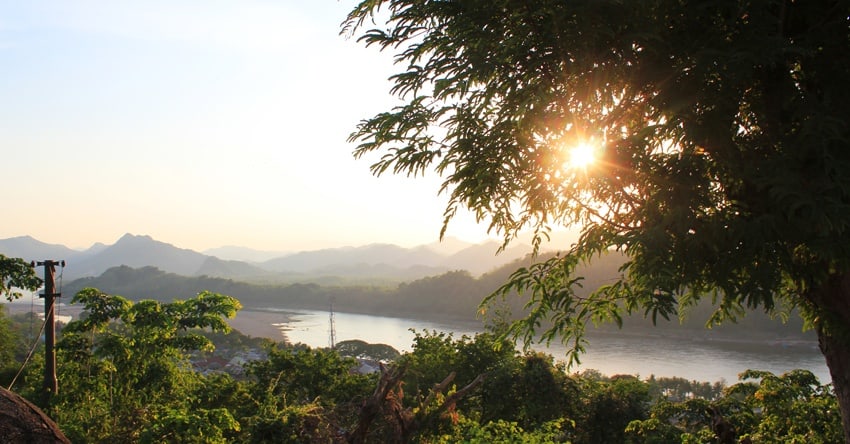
(451, 296)
(375, 264)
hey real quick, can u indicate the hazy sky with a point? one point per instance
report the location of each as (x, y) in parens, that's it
(201, 123)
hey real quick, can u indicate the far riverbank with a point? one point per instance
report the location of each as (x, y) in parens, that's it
(693, 358)
(268, 324)
(702, 357)
(263, 323)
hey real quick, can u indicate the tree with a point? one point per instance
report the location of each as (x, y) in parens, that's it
(764, 408)
(530, 391)
(124, 370)
(355, 348)
(721, 140)
(609, 405)
(303, 374)
(15, 274)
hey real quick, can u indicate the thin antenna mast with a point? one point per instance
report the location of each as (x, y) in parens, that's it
(332, 338)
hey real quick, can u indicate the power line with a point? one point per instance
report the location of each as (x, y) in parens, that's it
(29, 355)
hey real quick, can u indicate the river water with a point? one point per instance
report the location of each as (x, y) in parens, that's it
(610, 353)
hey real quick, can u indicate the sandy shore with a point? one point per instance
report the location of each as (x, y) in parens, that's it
(261, 324)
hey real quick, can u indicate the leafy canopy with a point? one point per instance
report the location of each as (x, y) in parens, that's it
(721, 127)
(15, 273)
(789, 408)
(125, 374)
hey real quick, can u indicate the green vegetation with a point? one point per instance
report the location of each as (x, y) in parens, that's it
(16, 274)
(126, 374)
(452, 296)
(764, 408)
(355, 348)
(718, 159)
(132, 372)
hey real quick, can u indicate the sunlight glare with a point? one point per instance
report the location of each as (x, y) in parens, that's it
(581, 156)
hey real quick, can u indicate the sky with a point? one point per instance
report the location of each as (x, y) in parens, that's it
(202, 123)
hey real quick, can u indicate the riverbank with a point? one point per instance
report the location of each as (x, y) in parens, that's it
(692, 358)
(252, 322)
(273, 324)
(262, 323)
(64, 313)
(697, 357)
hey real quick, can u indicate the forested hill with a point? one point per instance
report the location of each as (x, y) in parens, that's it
(452, 296)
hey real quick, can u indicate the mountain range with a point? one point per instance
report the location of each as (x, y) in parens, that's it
(369, 263)
(427, 287)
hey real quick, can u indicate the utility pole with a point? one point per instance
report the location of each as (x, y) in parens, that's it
(51, 385)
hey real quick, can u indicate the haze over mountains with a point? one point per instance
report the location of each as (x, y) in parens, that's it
(377, 261)
(426, 283)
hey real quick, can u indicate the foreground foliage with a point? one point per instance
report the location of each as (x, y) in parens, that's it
(764, 408)
(125, 376)
(125, 373)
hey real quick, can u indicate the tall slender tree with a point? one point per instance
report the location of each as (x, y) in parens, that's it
(715, 151)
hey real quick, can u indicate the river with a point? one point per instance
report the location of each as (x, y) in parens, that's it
(610, 353)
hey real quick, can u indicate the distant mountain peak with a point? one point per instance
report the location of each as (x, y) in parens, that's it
(25, 238)
(131, 236)
(29, 248)
(375, 260)
(448, 245)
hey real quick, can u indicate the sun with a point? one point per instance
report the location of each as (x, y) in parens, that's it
(581, 156)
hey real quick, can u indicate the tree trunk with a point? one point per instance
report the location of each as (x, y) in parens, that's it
(837, 355)
(373, 406)
(833, 302)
